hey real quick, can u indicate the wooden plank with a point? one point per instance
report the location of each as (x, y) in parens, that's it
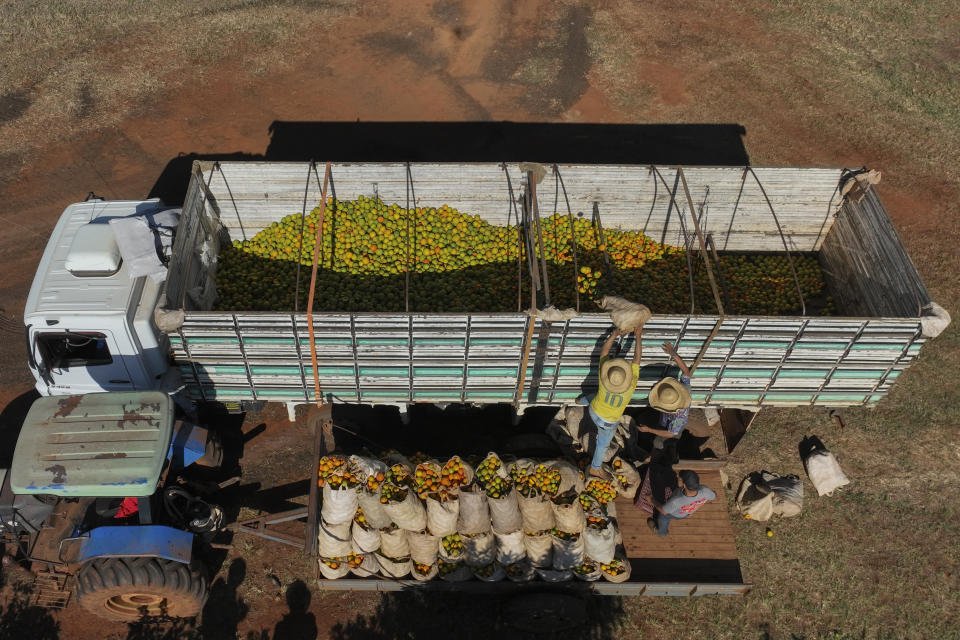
(702, 518)
(693, 523)
(721, 589)
(680, 546)
(184, 272)
(701, 465)
(702, 552)
(59, 525)
(715, 528)
(701, 521)
(650, 541)
(691, 547)
(683, 549)
(705, 536)
(703, 515)
(254, 194)
(670, 589)
(698, 552)
(870, 271)
(669, 586)
(713, 525)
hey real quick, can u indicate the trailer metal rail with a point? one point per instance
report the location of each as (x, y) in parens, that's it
(476, 358)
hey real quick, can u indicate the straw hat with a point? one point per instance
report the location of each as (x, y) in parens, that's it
(616, 375)
(669, 395)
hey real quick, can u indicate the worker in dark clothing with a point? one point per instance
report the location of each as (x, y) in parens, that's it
(670, 398)
(682, 504)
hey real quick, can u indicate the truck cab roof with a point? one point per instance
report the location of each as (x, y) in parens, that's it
(93, 288)
(94, 445)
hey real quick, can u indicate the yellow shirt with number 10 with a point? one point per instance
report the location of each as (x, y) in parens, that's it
(610, 406)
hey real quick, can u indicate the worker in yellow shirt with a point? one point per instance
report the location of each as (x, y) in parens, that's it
(618, 380)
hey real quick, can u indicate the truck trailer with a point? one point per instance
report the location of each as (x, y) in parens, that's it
(92, 327)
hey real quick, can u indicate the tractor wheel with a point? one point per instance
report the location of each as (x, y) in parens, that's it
(126, 589)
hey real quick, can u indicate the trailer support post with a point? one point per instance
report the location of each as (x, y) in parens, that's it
(702, 242)
(313, 287)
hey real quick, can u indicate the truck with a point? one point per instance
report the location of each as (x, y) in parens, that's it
(91, 326)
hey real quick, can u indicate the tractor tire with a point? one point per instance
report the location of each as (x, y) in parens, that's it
(127, 589)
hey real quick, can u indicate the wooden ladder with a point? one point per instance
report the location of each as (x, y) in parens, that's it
(52, 589)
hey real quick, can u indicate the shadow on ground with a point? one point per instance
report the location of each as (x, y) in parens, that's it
(430, 615)
(11, 420)
(421, 614)
(225, 608)
(18, 614)
(637, 144)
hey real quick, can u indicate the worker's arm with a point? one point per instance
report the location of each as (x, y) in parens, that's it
(638, 353)
(658, 505)
(671, 351)
(663, 433)
(609, 343)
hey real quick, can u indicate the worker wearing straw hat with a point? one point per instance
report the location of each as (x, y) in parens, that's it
(617, 382)
(671, 398)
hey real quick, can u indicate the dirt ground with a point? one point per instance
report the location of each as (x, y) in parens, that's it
(837, 85)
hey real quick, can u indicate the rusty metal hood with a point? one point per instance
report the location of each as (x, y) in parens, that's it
(94, 445)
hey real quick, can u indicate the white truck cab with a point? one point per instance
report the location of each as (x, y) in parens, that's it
(89, 322)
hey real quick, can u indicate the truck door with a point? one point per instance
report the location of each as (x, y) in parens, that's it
(74, 362)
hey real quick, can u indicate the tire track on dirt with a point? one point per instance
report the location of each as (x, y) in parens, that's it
(429, 62)
(9, 324)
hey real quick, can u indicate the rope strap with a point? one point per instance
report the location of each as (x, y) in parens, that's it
(313, 285)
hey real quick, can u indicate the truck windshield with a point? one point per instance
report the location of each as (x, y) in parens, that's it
(65, 350)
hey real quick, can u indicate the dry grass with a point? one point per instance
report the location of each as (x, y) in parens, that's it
(615, 57)
(81, 66)
(871, 82)
(876, 560)
(888, 57)
(876, 75)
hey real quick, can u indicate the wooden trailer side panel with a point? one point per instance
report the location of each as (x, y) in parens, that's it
(249, 196)
(869, 271)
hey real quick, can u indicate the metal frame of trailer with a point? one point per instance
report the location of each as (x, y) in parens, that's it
(403, 358)
(365, 358)
(600, 587)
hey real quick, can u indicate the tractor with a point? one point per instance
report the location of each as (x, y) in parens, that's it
(100, 501)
